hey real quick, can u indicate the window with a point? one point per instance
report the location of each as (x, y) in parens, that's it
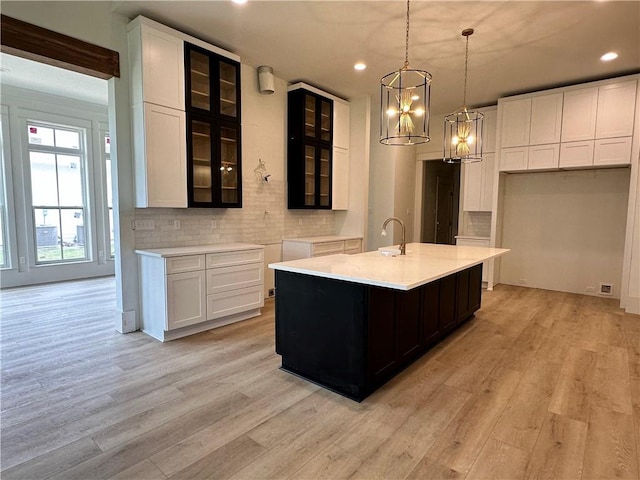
(4, 250)
(57, 164)
(106, 151)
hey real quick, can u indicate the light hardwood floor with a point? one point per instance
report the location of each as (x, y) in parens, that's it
(539, 385)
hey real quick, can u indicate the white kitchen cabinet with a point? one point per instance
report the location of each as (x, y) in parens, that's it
(612, 151)
(546, 119)
(579, 114)
(186, 290)
(516, 122)
(616, 109)
(340, 179)
(478, 184)
(186, 299)
(341, 119)
(514, 159)
(576, 154)
(308, 247)
(159, 151)
(489, 129)
(156, 59)
(543, 157)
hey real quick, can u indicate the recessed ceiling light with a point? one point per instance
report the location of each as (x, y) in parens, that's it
(607, 57)
(359, 66)
(239, 1)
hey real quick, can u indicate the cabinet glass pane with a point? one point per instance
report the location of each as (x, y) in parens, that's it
(228, 90)
(325, 119)
(200, 89)
(309, 116)
(324, 177)
(201, 148)
(229, 164)
(309, 175)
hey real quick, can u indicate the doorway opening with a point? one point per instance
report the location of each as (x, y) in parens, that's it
(440, 202)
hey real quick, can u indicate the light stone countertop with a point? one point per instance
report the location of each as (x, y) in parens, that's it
(197, 250)
(324, 238)
(423, 263)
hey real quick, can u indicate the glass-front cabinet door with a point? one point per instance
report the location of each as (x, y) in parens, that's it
(213, 117)
(310, 128)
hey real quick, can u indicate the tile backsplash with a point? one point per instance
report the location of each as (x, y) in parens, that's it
(264, 219)
(477, 224)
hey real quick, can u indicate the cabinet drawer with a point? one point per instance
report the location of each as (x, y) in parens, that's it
(235, 301)
(576, 154)
(226, 259)
(612, 151)
(188, 263)
(232, 278)
(353, 245)
(327, 248)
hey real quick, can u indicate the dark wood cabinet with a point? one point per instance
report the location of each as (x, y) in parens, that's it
(214, 167)
(309, 150)
(430, 313)
(469, 289)
(352, 338)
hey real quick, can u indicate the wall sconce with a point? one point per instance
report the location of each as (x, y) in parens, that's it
(261, 171)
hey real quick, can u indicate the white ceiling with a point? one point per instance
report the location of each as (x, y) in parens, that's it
(518, 46)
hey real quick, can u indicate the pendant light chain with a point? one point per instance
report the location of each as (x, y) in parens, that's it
(466, 59)
(406, 45)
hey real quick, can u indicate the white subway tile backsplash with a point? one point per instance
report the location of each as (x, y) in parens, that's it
(264, 219)
(477, 224)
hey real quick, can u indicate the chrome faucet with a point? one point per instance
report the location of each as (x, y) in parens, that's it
(403, 244)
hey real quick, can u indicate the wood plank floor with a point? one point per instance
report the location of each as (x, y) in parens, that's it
(539, 385)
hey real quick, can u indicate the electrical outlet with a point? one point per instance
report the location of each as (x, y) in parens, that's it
(214, 224)
(101, 253)
(144, 225)
(523, 281)
(272, 292)
(299, 221)
(606, 289)
(591, 289)
(22, 260)
(177, 224)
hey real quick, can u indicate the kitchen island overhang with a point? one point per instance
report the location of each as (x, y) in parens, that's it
(351, 322)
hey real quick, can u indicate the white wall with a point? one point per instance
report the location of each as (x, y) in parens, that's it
(565, 229)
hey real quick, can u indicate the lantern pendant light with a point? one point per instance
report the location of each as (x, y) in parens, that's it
(463, 128)
(405, 103)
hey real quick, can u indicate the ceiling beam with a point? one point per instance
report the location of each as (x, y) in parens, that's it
(29, 41)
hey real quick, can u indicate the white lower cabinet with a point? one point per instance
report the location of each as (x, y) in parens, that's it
(308, 247)
(192, 289)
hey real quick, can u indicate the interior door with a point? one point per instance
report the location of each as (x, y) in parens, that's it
(440, 202)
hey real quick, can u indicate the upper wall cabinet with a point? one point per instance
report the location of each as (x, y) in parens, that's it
(156, 60)
(574, 127)
(185, 99)
(317, 149)
(616, 108)
(214, 167)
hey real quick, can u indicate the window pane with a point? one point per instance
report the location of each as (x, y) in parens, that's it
(40, 135)
(67, 139)
(3, 258)
(112, 234)
(73, 234)
(47, 234)
(109, 185)
(70, 180)
(44, 185)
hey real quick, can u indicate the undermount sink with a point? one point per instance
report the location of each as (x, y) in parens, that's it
(389, 251)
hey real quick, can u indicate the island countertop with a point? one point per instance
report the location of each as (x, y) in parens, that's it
(423, 263)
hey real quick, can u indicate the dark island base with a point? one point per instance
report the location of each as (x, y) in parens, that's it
(352, 338)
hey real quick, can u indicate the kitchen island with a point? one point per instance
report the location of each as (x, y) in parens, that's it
(352, 322)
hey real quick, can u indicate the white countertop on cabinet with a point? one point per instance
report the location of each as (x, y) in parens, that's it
(423, 263)
(197, 250)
